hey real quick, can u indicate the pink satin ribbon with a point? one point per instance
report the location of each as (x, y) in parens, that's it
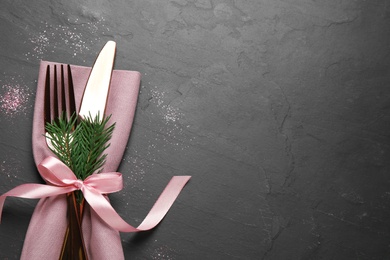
(62, 180)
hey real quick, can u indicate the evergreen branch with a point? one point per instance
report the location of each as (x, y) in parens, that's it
(60, 134)
(81, 148)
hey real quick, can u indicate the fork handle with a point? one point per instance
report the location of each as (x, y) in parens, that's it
(73, 247)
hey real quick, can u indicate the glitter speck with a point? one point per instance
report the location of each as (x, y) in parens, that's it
(11, 168)
(163, 253)
(53, 36)
(13, 100)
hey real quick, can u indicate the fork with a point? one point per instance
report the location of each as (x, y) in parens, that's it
(59, 98)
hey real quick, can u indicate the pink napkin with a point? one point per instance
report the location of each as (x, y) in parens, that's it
(47, 227)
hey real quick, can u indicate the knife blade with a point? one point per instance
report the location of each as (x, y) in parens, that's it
(96, 90)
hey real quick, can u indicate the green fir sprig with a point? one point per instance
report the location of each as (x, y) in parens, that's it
(80, 144)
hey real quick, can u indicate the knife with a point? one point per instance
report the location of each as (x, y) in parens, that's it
(96, 90)
(93, 104)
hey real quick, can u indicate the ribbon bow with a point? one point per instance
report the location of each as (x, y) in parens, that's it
(62, 180)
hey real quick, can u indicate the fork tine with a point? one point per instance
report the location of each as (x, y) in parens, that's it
(47, 103)
(56, 97)
(72, 101)
(63, 101)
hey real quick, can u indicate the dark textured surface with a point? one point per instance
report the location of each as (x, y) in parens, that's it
(278, 109)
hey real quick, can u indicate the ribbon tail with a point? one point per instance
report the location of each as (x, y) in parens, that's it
(164, 202)
(104, 209)
(33, 191)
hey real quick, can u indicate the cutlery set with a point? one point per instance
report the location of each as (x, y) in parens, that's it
(89, 215)
(59, 101)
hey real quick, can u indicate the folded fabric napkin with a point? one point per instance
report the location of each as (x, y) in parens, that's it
(47, 227)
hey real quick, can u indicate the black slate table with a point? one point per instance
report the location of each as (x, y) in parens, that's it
(278, 109)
